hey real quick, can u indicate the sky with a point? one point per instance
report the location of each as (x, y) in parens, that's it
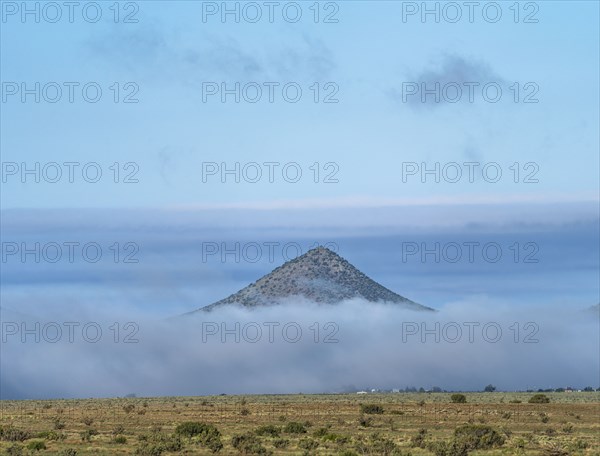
(365, 146)
(159, 156)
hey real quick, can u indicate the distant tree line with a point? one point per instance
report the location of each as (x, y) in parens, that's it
(488, 389)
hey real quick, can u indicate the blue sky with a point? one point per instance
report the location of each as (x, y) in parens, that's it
(368, 134)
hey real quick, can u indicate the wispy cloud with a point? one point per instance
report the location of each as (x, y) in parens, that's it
(152, 52)
(449, 69)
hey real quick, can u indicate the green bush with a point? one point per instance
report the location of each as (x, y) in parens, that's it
(120, 439)
(293, 427)
(36, 445)
(478, 436)
(190, 429)
(268, 429)
(451, 448)
(51, 435)
(168, 442)
(539, 399)
(149, 449)
(336, 438)
(371, 409)
(206, 434)
(159, 441)
(458, 398)
(308, 444)
(579, 444)
(249, 444)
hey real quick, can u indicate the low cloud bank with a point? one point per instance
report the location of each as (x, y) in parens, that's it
(299, 347)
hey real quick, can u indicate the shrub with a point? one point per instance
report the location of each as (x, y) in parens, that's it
(68, 452)
(458, 398)
(579, 444)
(87, 435)
(376, 444)
(293, 427)
(365, 421)
(419, 439)
(371, 409)
(148, 449)
(11, 434)
(207, 434)
(171, 443)
(321, 432)
(520, 443)
(14, 450)
(87, 420)
(128, 408)
(160, 441)
(268, 429)
(51, 435)
(191, 428)
(248, 444)
(58, 424)
(539, 399)
(308, 444)
(451, 448)
(120, 439)
(477, 436)
(383, 446)
(36, 445)
(244, 412)
(337, 438)
(281, 443)
(554, 449)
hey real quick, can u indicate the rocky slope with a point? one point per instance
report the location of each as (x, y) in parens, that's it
(319, 275)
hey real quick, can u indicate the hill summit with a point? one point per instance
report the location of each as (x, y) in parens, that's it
(319, 275)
